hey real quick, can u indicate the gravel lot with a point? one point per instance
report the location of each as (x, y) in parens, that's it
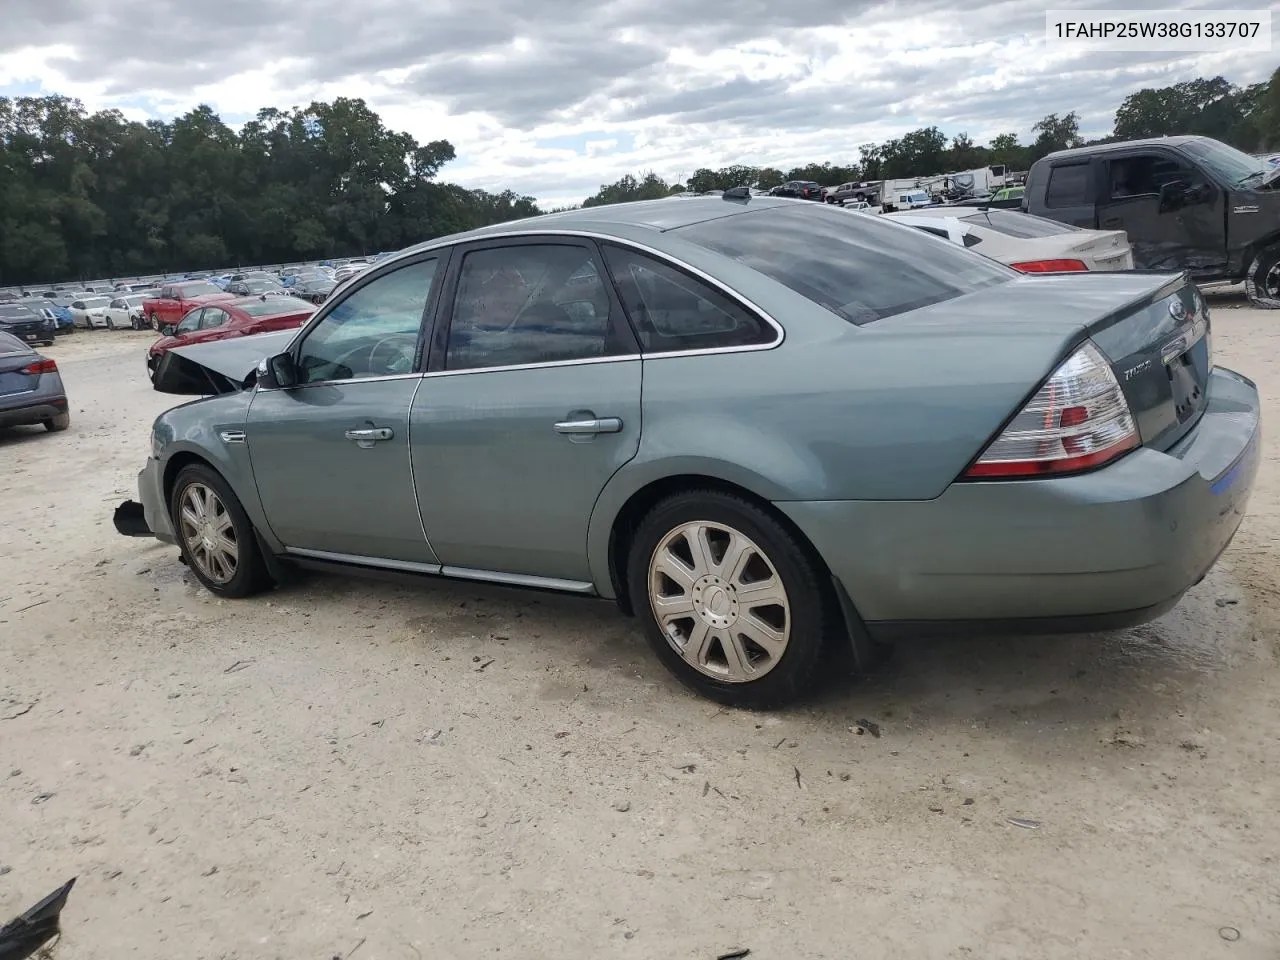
(346, 766)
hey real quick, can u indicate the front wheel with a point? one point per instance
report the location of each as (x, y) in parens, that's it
(215, 534)
(1262, 282)
(731, 602)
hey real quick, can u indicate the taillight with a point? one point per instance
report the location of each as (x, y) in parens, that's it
(1050, 266)
(43, 365)
(1078, 420)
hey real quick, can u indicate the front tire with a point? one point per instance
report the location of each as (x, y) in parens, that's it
(215, 535)
(731, 602)
(1262, 282)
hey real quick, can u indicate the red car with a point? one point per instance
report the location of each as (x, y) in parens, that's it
(239, 317)
(175, 300)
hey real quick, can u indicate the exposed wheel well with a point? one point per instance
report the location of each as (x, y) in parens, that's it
(643, 500)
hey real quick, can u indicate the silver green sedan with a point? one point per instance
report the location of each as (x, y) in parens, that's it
(762, 426)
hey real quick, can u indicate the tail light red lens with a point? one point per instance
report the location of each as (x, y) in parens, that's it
(1050, 266)
(43, 365)
(1078, 420)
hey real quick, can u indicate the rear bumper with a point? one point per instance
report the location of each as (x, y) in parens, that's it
(32, 411)
(1103, 550)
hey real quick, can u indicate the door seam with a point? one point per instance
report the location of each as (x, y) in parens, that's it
(413, 476)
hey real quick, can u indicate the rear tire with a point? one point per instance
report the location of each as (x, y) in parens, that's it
(215, 535)
(1262, 282)
(58, 423)
(703, 624)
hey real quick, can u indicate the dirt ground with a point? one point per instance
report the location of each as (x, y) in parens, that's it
(349, 768)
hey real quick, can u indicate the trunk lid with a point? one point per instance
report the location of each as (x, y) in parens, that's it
(1104, 250)
(12, 379)
(1152, 327)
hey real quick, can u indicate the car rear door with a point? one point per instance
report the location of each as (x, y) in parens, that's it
(530, 404)
(1070, 195)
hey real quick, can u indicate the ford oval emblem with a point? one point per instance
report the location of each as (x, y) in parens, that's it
(1176, 309)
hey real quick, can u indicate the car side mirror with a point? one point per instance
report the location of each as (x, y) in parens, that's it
(1173, 196)
(278, 372)
(168, 330)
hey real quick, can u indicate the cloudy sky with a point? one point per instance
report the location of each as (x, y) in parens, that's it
(554, 97)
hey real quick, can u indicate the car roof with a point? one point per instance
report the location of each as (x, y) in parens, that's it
(1120, 145)
(668, 213)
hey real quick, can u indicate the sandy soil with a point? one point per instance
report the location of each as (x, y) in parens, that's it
(332, 770)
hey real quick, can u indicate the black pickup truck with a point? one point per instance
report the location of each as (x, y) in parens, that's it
(1187, 203)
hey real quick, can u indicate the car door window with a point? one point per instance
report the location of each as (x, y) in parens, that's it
(118, 305)
(212, 317)
(372, 331)
(672, 310)
(189, 323)
(77, 305)
(530, 303)
(1145, 174)
(1068, 186)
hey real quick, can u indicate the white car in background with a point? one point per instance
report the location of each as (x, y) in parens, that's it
(1026, 243)
(125, 312)
(90, 312)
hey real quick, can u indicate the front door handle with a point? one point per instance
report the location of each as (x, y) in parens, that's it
(593, 426)
(370, 434)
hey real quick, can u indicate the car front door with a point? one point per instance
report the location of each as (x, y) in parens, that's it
(331, 454)
(1173, 213)
(530, 404)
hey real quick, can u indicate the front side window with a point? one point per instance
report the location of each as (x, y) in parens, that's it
(1145, 174)
(371, 332)
(672, 310)
(530, 303)
(190, 322)
(861, 268)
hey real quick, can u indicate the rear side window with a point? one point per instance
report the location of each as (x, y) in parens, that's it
(1068, 186)
(673, 310)
(860, 268)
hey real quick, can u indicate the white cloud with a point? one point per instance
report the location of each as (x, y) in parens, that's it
(606, 86)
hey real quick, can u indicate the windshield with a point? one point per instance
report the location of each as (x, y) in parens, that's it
(276, 306)
(197, 289)
(860, 268)
(1227, 162)
(1021, 225)
(12, 311)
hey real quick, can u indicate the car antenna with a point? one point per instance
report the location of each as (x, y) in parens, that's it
(737, 193)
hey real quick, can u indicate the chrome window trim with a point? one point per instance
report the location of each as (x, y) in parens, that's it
(592, 235)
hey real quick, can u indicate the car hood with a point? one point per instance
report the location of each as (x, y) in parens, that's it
(223, 366)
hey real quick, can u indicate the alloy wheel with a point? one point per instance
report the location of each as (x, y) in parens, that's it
(208, 533)
(719, 601)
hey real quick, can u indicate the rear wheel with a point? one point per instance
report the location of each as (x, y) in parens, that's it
(215, 535)
(731, 603)
(1262, 282)
(58, 422)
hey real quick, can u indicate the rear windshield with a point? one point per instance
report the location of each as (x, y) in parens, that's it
(1024, 226)
(273, 306)
(16, 312)
(197, 289)
(860, 268)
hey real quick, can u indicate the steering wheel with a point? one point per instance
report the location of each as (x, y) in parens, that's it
(404, 344)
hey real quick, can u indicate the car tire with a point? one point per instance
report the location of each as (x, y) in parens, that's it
(1262, 282)
(111, 324)
(205, 510)
(758, 656)
(58, 422)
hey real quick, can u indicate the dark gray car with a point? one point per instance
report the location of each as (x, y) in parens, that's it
(761, 425)
(31, 390)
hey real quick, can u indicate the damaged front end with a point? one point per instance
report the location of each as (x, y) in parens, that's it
(223, 366)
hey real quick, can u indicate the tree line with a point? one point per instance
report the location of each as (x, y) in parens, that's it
(88, 195)
(1246, 117)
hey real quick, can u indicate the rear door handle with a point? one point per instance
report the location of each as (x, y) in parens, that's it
(598, 425)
